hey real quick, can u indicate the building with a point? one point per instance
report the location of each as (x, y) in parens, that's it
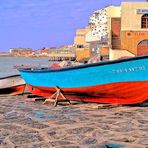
(97, 34)
(81, 46)
(117, 31)
(134, 28)
(130, 31)
(80, 42)
(123, 29)
(100, 24)
(20, 51)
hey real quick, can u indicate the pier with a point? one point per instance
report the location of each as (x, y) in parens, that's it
(60, 58)
(62, 55)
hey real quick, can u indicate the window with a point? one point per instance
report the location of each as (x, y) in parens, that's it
(144, 21)
(80, 46)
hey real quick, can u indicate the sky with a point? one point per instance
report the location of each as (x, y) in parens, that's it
(45, 23)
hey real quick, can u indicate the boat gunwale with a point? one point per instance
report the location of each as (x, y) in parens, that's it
(48, 69)
(11, 76)
(1, 88)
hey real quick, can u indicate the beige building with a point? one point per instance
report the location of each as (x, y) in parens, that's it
(130, 31)
(80, 39)
(134, 28)
(81, 46)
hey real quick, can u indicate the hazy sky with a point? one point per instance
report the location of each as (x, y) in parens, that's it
(44, 23)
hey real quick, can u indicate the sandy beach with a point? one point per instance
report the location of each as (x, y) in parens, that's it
(30, 124)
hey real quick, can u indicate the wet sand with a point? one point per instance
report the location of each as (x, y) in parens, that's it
(28, 124)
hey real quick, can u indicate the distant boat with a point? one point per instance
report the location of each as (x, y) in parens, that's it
(12, 85)
(123, 81)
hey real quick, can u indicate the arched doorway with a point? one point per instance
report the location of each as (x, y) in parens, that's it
(142, 48)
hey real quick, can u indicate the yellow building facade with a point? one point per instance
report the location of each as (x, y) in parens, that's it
(129, 32)
(134, 27)
(80, 45)
(80, 39)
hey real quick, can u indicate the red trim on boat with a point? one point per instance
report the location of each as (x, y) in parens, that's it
(14, 90)
(115, 93)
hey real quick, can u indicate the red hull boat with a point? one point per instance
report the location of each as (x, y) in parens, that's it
(115, 93)
(12, 85)
(123, 81)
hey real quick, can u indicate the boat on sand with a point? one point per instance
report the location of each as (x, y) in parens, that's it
(12, 85)
(123, 81)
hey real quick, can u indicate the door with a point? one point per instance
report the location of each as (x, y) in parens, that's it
(142, 48)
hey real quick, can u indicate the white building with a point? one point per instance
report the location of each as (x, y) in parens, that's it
(100, 23)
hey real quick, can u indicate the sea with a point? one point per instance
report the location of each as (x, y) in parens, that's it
(7, 64)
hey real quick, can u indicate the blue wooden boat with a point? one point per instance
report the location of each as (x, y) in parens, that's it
(123, 81)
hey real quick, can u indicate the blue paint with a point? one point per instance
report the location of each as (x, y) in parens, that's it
(90, 75)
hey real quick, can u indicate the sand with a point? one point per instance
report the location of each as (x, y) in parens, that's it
(30, 124)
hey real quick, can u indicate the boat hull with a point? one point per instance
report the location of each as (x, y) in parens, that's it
(14, 90)
(12, 85)
(122, 81)
(115, 93)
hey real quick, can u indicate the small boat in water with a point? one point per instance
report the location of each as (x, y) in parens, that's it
(12, 85)
(123, 81)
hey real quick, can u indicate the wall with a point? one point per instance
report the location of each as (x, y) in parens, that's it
(104, 50)
(116, 54)
(130, 19)
(131, 39)
(131, 31)
(80, 38)
(100, 22)
(81, 55)
(112, 12)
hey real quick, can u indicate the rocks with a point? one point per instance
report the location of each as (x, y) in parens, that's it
(25, 138)
(28, 124)
(144, 141)
(81, 130)
(89, 141)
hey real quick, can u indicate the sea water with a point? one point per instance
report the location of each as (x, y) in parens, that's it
(7, 64)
